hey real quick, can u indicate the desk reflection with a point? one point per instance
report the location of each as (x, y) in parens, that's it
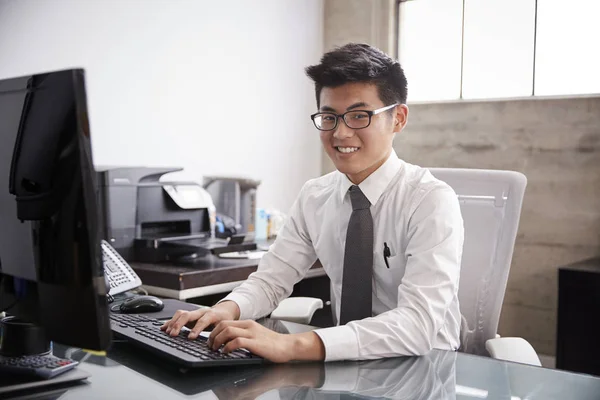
(428, 377)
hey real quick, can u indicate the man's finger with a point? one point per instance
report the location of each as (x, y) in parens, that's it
(238, 343)
(177, 324)
(206, 320)
(228, 334)
(187, 319)
(173, 318)
(180, 322)
(224, 324)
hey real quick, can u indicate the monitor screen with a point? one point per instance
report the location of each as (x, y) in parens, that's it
(15, 236)
(50, 259)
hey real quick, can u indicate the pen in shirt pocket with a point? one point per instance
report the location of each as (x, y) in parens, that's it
(386, 254)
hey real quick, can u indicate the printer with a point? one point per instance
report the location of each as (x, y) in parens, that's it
(147, 220)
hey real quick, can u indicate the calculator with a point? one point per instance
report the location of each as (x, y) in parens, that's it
(43, 366)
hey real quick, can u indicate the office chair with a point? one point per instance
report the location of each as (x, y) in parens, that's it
(490, 203)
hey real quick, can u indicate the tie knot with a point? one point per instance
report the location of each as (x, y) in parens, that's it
(358, 199)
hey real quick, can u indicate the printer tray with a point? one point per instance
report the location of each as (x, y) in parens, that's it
(215, 246)
(155, 250)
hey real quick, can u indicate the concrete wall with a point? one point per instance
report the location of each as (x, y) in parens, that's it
(554, 142)
(358, 21)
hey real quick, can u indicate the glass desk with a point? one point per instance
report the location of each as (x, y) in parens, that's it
(129, 373)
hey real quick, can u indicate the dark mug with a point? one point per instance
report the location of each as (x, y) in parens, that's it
(21, 338)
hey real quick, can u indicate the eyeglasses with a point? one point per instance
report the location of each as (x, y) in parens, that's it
(355, 119)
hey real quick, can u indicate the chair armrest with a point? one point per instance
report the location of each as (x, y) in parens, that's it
(513, 349)
(297, 309)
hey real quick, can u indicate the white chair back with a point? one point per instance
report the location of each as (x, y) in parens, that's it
(490, 203)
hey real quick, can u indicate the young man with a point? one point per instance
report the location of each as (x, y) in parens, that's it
(389, 235)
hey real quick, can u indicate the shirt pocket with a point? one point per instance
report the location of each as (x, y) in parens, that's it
(379, 258)
(394, 263)
(386, 279)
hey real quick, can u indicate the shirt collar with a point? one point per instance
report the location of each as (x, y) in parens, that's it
(376, 183)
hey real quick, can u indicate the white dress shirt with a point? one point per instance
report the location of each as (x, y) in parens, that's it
(415, 300)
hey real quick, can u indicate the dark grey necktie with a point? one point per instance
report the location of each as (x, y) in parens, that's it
(358, 260)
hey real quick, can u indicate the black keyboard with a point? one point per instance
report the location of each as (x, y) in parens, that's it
(145, 332)
(44, 366)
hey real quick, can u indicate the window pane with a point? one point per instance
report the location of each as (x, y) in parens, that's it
(568, 37)
(498, 48)
(430, 48)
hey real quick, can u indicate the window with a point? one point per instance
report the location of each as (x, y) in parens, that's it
(430, 41)
(567, 55)
(478, 49)
(498, 48)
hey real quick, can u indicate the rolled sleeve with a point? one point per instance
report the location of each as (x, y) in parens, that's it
(340, 343)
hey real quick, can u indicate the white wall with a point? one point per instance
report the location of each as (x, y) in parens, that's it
(216, 87)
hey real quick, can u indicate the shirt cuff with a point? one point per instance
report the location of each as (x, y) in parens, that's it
(340, 343)
(242, 302)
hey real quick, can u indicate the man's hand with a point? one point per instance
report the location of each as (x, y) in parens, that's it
(273, 346)
(204, 317)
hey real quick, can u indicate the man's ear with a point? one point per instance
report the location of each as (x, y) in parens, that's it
(400, 118)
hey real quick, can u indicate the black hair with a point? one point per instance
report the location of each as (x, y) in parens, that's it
(355, 62)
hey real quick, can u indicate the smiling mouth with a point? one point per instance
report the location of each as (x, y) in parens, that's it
(346, 150)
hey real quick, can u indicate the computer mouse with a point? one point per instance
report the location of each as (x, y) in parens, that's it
(142, 304)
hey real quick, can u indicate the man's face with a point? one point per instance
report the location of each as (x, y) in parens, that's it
(359, 152)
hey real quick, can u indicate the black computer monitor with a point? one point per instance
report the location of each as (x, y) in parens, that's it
(50, 259)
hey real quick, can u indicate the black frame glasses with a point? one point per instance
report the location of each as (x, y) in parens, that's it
(354, 123)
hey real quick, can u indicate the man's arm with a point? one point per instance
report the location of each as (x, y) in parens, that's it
(285, 264)
(276, 347)
(279, 270)
(430, 283)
